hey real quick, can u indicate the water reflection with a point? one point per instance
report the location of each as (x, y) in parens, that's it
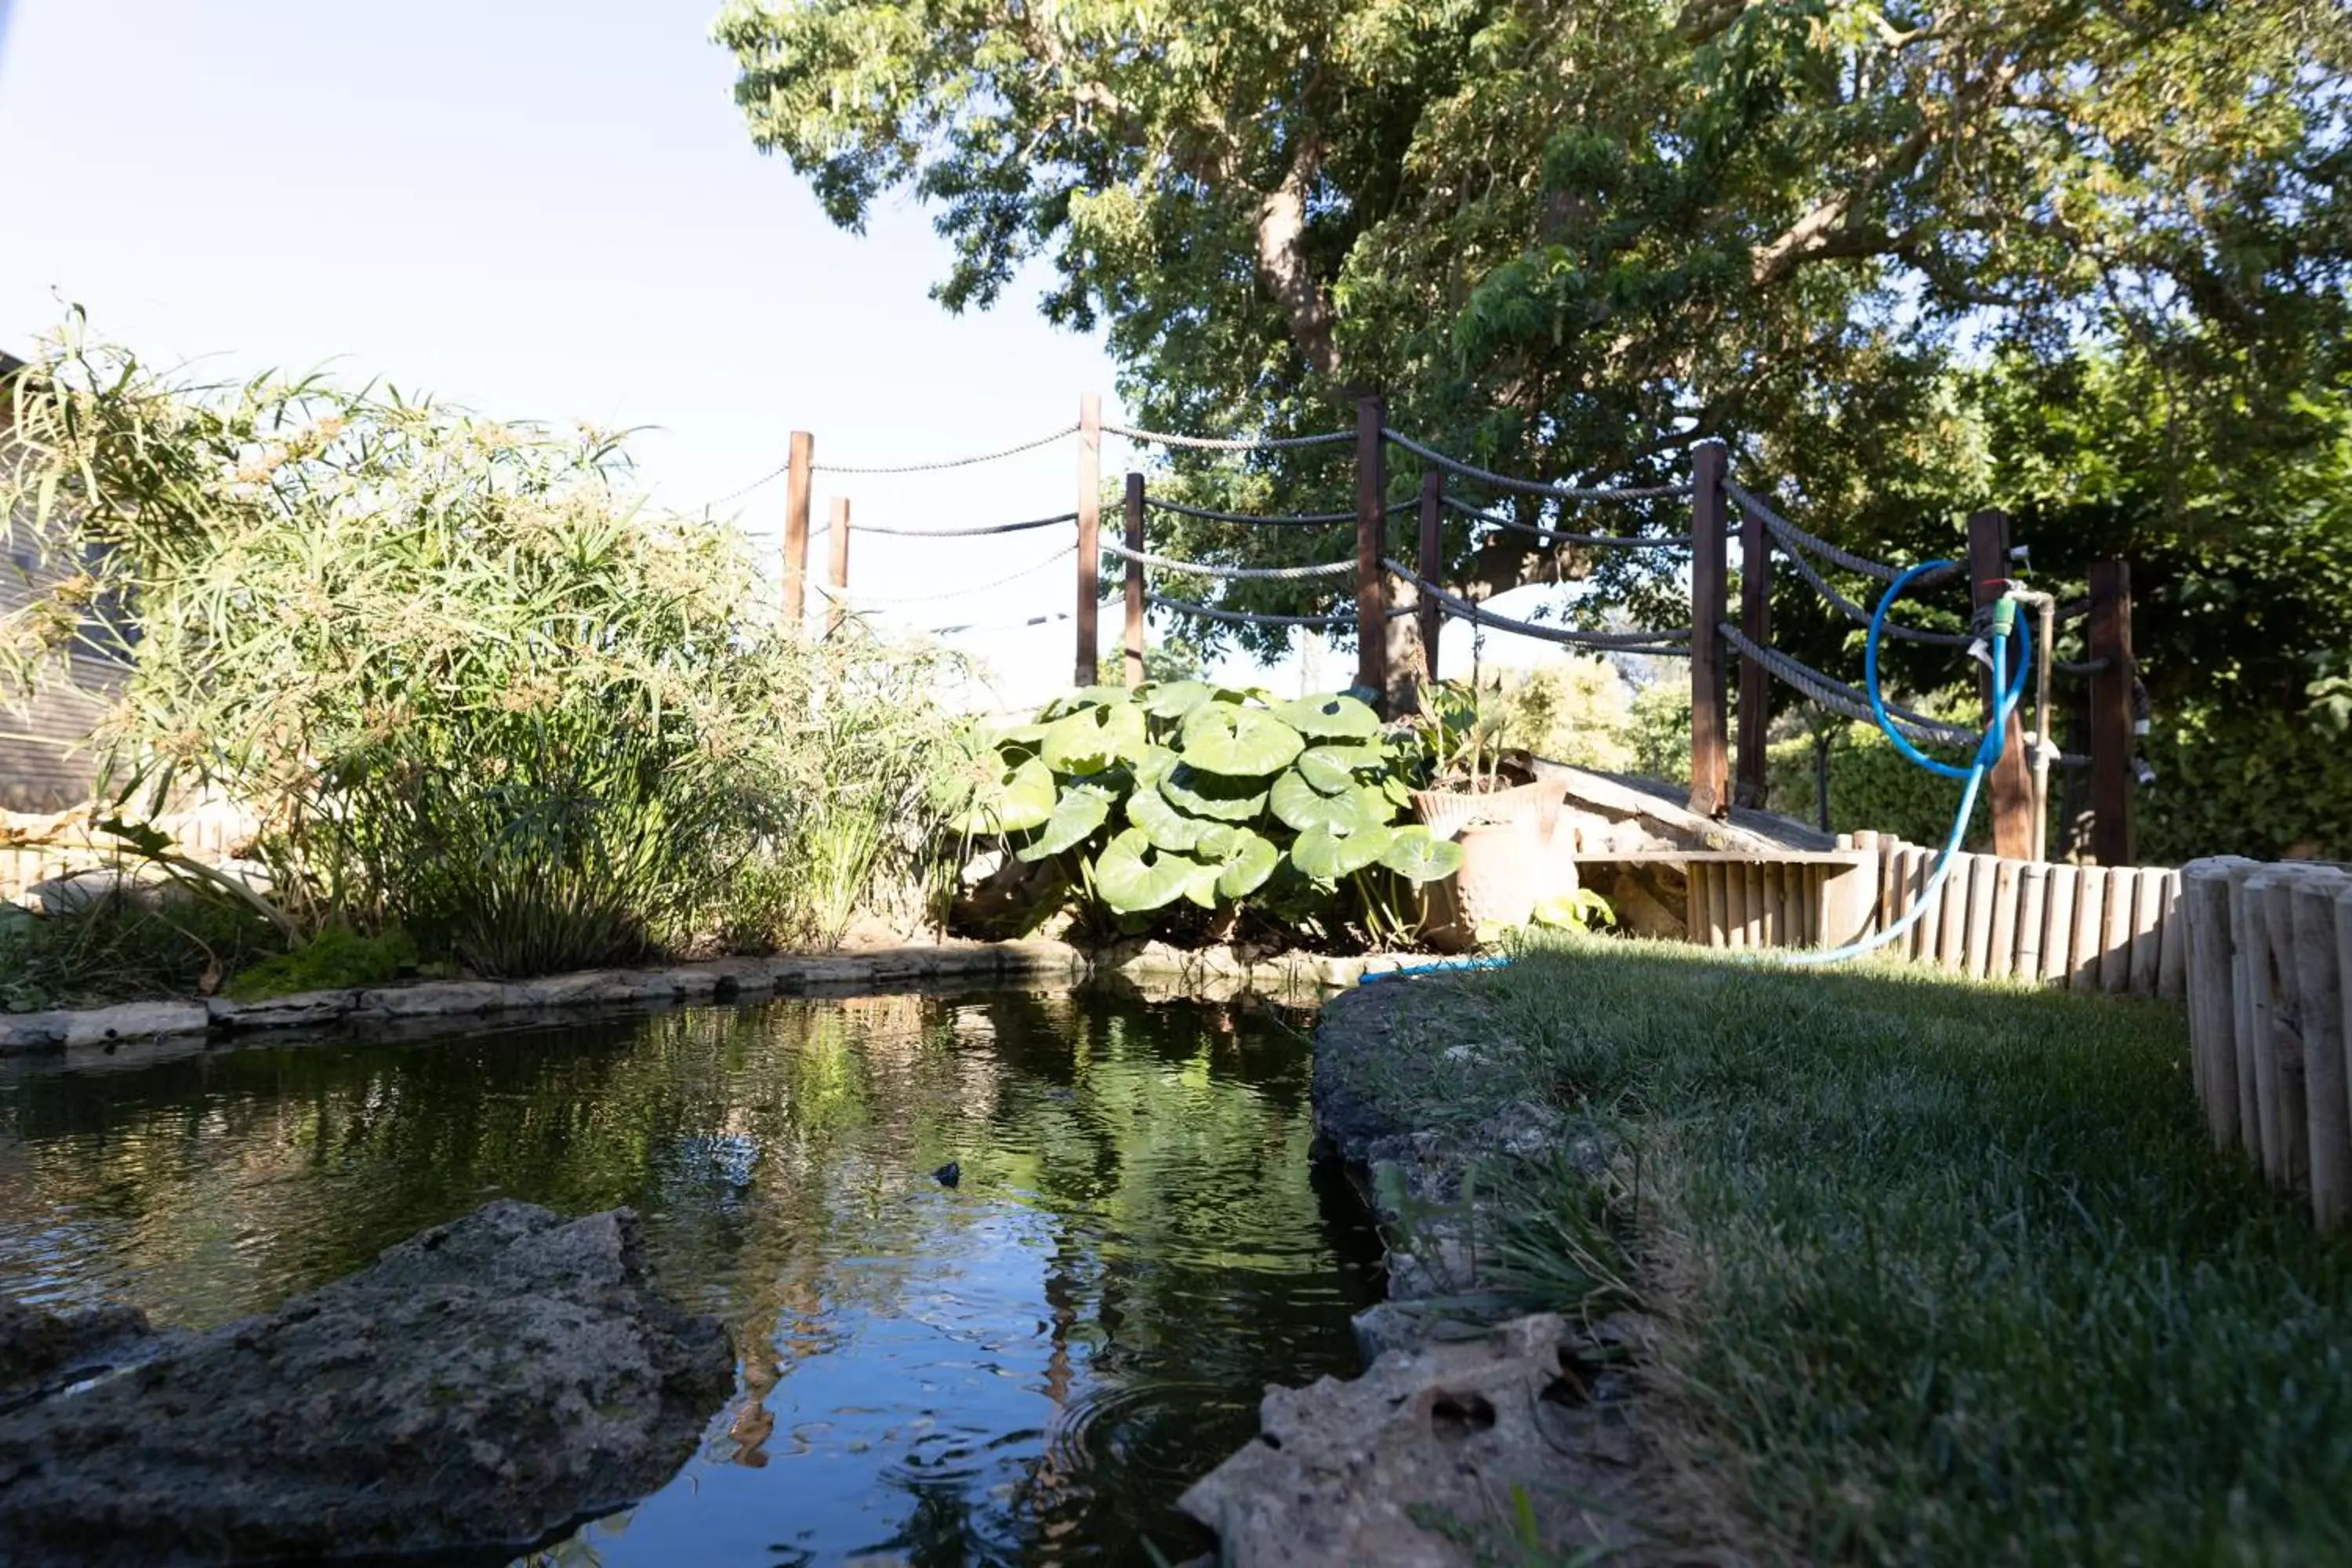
(1025, 1368)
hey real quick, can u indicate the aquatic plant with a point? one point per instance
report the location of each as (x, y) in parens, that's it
(1184, 793)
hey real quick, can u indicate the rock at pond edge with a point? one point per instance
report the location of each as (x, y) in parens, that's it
(483, 1384)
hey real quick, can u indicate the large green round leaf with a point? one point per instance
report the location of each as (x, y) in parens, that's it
(1086, 697)
(1333, 769)
(1009, 796)
(1166, 827)
(1174, 700)
(1240, 743)
(1201, 794)
(1327, 856)
(1132, 876)
(1299, 804)
(1082, 808)
(1339, 716)
(1094, 739)
(1376, 803)
(1419, 856)
(1155, 764)
(1244, 860)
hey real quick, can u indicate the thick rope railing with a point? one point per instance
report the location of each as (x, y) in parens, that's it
(1794, 538)
(1230, 442)
(1256, 617)
(859, 597)
(1294, 520)
(1237, 573)
(1861, 614)
(1529, 486)
(937, 464)
(771, 476)
(1563, 536)
(1839, 698)
(967, 532)
(1669, 643)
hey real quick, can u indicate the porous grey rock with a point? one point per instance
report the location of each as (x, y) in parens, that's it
(40, 1349)
(1424, 1461)
(480, 1387)
(21, 1032)
(438, 998)
(136, 1021)
(296, 1010)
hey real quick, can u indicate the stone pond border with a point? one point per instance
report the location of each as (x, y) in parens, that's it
(717, 980)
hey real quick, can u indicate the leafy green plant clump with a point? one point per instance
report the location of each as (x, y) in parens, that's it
(1184, 793)
(336, 958)
(471, 685)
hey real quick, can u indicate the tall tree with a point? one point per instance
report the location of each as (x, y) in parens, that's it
(1568, 238)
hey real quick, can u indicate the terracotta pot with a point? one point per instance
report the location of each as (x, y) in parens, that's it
(1448, 811)
(1501, 868)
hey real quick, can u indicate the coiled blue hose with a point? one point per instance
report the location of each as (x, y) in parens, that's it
(2006, 693)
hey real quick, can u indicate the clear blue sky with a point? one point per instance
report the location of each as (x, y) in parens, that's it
(544, 209)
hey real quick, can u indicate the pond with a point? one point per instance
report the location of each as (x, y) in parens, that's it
(1026, 1367)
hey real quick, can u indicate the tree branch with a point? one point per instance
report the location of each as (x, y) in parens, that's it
(1282, 261)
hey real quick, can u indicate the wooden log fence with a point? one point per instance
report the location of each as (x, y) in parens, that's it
(2270, 1019)
(2111, 930)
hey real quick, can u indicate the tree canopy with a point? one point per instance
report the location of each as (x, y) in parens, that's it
(1883, 248)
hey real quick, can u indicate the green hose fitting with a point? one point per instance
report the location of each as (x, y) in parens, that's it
(2004, 616)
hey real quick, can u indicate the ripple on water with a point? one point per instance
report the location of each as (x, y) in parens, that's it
(1028, 1368)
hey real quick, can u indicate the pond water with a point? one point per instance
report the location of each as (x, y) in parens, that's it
(1025, 1368)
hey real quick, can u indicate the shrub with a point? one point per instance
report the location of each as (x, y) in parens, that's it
(473, 687)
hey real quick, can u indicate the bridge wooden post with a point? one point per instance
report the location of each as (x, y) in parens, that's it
(1371, 516)
(1754, 681)
(2112, 714)
(1133, 580)
(796, 529)
(836, 542)
(1085, 669)
(1432, 567)
(2014, 829)
(1710, 794)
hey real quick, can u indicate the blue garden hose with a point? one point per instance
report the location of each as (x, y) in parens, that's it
(2006, 693)
(2007, 690)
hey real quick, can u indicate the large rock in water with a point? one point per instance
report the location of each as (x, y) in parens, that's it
(483, 1384)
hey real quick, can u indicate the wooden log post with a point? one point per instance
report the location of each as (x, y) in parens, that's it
(2172, 948)
(2058, 928)
(1710, 794)
(2320, 994)
(2212, 1022)
(2111, 739)
(2282, 990)
(1086, 669)
(2257, 1112)
(1432, 567)
(1372, 528)
(2090, 928)
(1755, 681)
(2115, 938)
(2032, 903)
(2002, 950)
(1132, 580)
(2147, 930)
(796, 528)
(2015, 833)
(836, 571)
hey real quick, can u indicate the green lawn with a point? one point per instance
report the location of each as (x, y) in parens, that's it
(1950, 1271)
